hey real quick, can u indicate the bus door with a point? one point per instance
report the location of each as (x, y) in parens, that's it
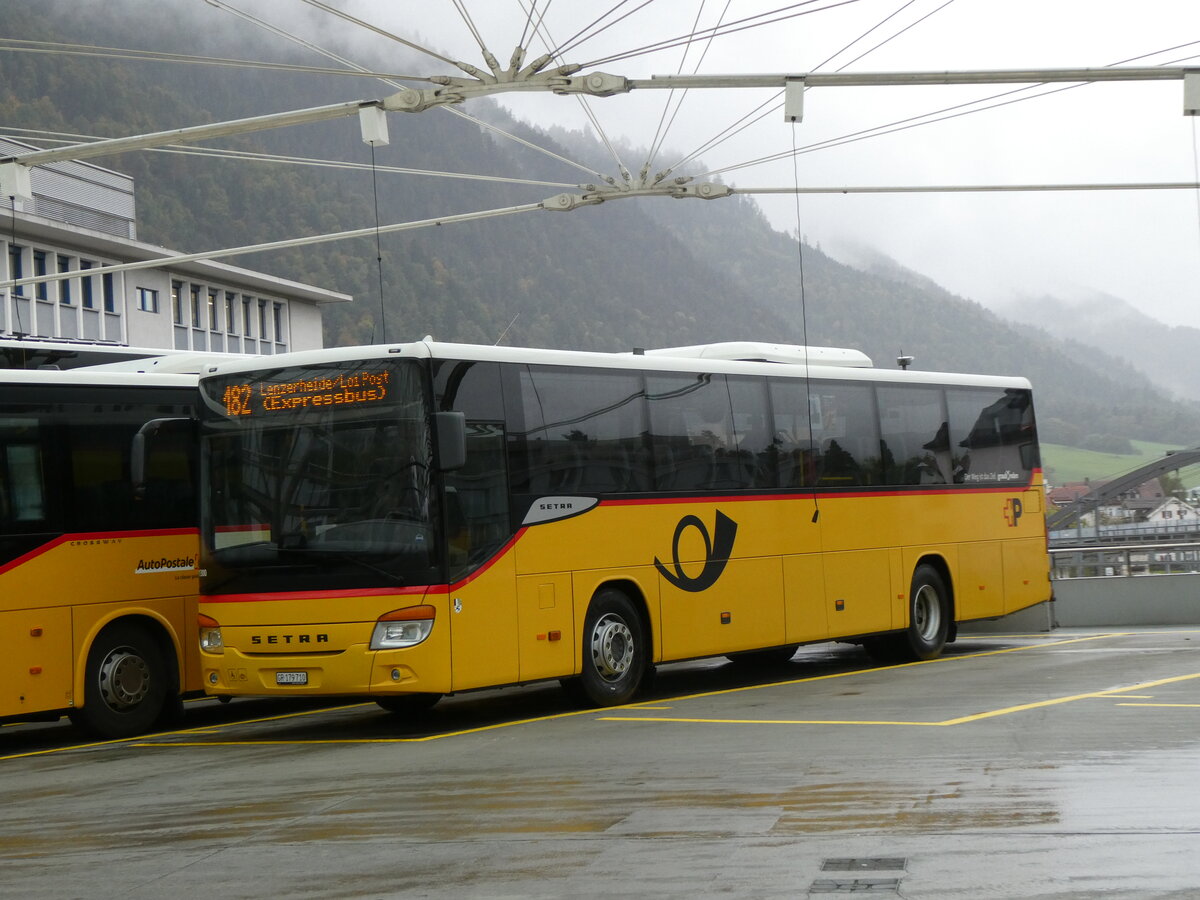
(482, 578)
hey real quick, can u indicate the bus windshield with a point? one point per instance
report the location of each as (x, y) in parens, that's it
(318, 478)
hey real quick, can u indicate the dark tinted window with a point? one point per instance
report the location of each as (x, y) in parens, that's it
(477, 494)
(846, 434)
(915, 435)
(757, 455)
(694, 436)
(582, 432)
(792, 437)
(992, 435)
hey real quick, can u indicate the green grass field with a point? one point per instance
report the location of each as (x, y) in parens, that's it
(1064, 464)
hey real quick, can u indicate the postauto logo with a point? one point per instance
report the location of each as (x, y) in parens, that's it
(165, 564)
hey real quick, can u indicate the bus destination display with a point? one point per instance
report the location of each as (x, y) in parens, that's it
(340, 390)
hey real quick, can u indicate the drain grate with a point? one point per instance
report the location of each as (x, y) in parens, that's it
(854, 885)
(864, 864)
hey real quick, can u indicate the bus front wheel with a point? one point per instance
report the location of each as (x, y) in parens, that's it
(614, 650)
(125, 683)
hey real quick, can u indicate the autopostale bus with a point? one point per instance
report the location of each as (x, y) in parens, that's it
(409, 521)
(98, 579)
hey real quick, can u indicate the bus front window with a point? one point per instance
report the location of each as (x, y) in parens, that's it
(319, 492)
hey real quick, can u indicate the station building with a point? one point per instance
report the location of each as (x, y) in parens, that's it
(82, 217)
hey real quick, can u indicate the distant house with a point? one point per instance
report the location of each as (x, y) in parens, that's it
(82, 217)
(1173, 511)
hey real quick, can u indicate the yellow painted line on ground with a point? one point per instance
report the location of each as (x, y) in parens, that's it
(400, 740)
(144, 741)
(961, 720)
(1176, 706)
(204, 729)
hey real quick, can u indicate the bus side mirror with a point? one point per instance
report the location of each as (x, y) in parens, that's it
(451, 440)
(143, 444)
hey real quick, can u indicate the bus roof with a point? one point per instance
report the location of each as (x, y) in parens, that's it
(86, 377)
(837, 364)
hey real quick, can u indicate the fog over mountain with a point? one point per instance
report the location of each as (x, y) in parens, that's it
(646, 273)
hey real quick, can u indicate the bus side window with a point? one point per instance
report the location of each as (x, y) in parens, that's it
(848, 432)
(475, 505)
(915, 435)
(22, 480)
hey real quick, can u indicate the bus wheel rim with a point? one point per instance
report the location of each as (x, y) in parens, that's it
(927, 613)
(612, 648)
(124, 679)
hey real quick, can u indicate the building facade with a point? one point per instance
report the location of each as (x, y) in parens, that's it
(82, 217)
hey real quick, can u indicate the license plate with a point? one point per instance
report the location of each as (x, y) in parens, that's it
(291, 678)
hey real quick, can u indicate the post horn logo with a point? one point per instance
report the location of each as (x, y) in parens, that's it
(717, 549)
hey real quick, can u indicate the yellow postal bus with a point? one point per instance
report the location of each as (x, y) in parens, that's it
(403, 522)
(98, 579)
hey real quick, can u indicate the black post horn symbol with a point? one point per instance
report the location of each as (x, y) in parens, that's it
(716, 553)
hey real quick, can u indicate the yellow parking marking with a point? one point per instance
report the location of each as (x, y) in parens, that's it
(147, 741)
(960, 720)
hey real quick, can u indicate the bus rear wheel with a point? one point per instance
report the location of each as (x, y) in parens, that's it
(125, 683)
(614, 650)
(929, 622)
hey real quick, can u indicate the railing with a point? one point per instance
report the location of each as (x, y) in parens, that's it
(1148, 532)
(1126, 560)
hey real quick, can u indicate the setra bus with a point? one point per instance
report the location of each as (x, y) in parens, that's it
(98, 578)
(403, 522)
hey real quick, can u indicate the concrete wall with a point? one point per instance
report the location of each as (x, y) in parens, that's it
(1107, 602)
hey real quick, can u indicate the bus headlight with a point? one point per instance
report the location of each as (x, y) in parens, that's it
(403, 627)
(210, 635)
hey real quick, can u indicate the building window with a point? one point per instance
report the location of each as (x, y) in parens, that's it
(277, 316)
(64, 286)
(147, 300)
(247, 321)
(214, 313)
(85, 284)
(15, 269)
(177, 302)
(231, 312)
(39, 271)
(110, 294)
(195, 298)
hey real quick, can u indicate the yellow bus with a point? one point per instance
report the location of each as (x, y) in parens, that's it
(404, 522)
(98, 580)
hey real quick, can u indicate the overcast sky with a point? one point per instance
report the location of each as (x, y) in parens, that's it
(1143, 247)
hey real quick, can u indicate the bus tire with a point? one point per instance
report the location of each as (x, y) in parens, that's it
(125, 686)
(929, 622)
(408, 704)
(614, 650)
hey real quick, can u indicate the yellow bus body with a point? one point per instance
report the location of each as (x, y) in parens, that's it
(55, 600)
(520, 618)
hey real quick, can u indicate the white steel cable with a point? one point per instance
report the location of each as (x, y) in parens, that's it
(500, 132)
(53, 48)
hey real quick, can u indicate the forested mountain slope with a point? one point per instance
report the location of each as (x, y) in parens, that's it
(623, 274)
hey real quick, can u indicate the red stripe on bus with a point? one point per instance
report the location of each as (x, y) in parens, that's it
(366, 592)
(92, 536)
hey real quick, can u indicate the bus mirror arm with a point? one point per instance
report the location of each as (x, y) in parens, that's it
(451, 430)
(140, 452)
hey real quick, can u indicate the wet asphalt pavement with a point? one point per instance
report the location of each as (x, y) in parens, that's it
(1062, 765)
